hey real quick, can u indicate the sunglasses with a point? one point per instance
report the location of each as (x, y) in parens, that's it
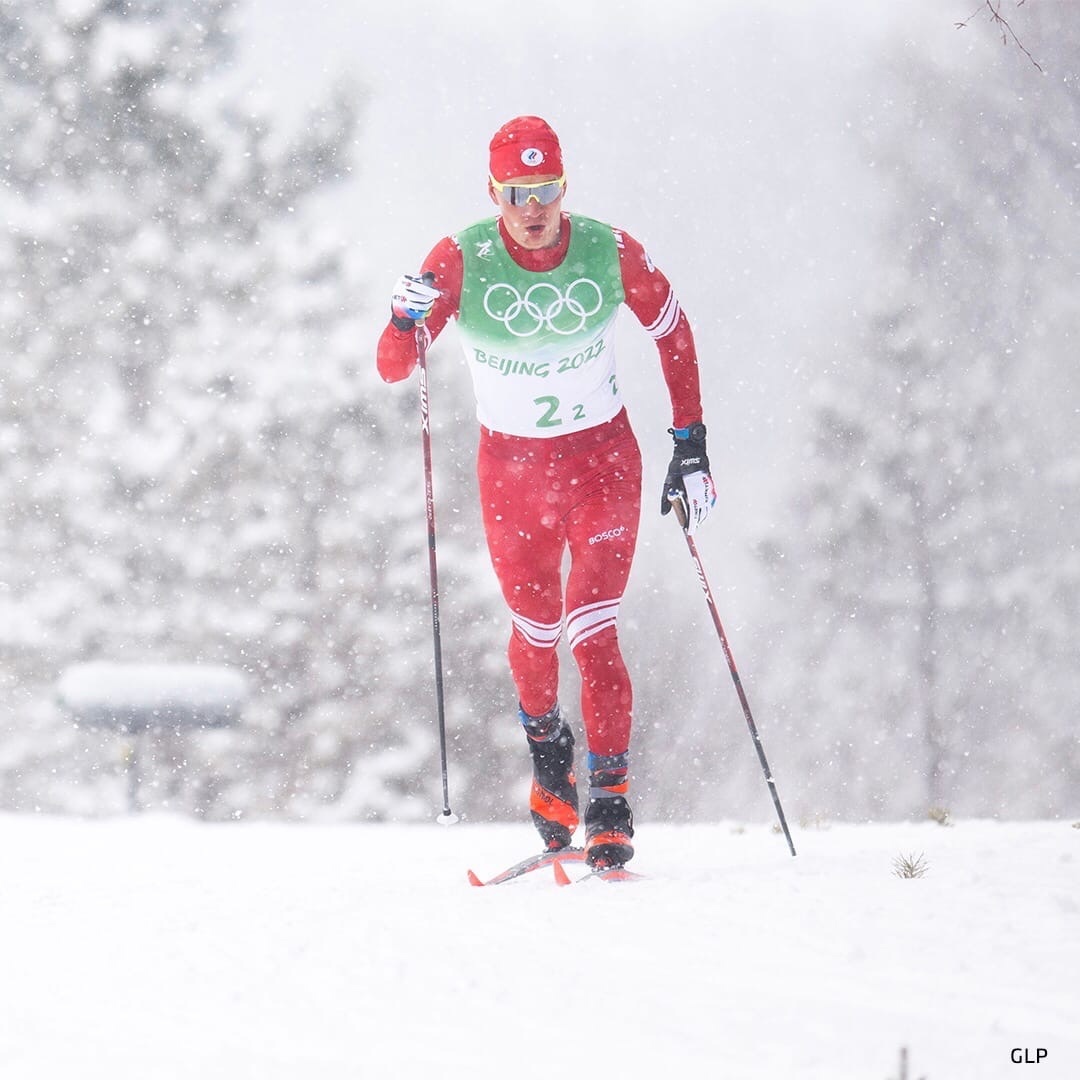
(519, 194)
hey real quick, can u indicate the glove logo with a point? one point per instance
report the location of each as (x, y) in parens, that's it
(544, 306)
(532, 157)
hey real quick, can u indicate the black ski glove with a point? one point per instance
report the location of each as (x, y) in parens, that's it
(688, 485)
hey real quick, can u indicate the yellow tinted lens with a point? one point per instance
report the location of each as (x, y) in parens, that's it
(520, 194)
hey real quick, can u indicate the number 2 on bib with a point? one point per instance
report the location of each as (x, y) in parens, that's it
(550, 417)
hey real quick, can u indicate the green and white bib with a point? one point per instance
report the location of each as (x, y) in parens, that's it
(540, 346)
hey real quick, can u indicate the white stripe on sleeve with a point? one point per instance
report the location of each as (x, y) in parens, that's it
(666, 321)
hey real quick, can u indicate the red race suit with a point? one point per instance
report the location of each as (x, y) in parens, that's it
(580, 490)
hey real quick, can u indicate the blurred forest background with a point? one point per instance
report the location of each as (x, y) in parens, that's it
(872, 220)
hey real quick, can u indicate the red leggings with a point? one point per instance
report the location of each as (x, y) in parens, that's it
(540, 496)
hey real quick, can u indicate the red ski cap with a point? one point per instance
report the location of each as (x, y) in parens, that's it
(525, 146)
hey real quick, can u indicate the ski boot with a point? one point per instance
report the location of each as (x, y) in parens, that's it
(609, 824)
(553, 800)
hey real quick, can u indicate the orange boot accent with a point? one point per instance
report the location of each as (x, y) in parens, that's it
(608, 849)
(548, 806)
(612, 836)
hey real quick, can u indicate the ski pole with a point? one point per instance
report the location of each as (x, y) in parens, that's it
(447, 817)
(680, 513)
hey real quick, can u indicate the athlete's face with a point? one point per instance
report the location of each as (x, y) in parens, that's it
(531, 225)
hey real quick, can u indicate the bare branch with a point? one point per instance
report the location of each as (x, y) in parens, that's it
(999, 20)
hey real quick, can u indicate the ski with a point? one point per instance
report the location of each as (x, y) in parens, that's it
(603, 873)
(533, 862)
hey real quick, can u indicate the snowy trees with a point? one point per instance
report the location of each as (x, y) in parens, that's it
(200, 465)
(145, 228)
(193, 432)
(937, 564)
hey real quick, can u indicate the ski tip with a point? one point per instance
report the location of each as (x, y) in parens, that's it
(561, 876)
(473, 879)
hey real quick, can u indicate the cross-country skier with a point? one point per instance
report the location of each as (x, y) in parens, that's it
(535, 292)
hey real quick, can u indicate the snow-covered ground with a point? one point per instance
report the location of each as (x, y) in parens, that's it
(158, 949)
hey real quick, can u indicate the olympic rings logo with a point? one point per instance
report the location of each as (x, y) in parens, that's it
(544, 305)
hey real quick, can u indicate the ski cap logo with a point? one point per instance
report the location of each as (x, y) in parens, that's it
(532, 157)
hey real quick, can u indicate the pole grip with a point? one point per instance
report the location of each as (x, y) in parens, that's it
(678, 505)
(428, 278)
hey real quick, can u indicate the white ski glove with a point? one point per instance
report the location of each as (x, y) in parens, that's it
(412, 301)
(693, 503)
(688, 487)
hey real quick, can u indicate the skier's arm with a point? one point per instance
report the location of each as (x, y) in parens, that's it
(650, 297)
(396, 355)
(688, 486)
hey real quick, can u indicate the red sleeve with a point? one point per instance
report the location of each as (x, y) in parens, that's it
(650, 297)
(396, 355)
